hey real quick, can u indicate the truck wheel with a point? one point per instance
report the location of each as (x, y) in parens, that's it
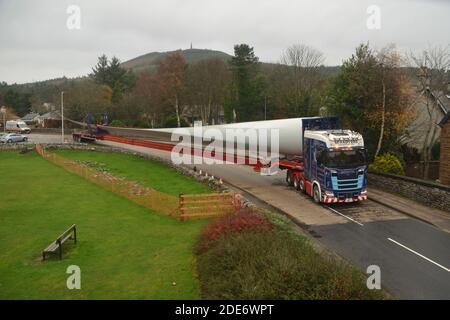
(9, 141)
(301, 185)
(316, 194)
(25, 139)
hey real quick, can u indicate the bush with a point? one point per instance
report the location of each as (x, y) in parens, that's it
(387, 163)
(272, 265)
(248, 255)
(171, 122)
(117, 123)
(241, 221)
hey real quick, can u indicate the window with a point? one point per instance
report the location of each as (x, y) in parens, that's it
(345, 158)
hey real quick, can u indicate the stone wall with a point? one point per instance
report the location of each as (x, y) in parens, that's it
(429, 193)
(16, 147)
(444, 170)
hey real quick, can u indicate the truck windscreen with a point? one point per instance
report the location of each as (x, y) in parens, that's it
(345, 158)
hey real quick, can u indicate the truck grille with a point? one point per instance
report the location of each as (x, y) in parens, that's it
(347, 175)
(349, 184)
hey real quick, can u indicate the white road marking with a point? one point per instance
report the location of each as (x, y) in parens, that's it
(420, 255)
(351, 219)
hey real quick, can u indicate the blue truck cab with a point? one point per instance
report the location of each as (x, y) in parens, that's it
(334, 162)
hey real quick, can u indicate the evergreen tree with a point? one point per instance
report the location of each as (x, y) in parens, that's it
(112, 74)
(100, 71)
(247, 88)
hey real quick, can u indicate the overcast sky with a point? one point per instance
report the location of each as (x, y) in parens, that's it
(36, 44)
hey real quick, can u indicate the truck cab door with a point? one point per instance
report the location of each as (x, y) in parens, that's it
(307, 159)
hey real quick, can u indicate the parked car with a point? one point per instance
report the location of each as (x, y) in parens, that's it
(12, 137)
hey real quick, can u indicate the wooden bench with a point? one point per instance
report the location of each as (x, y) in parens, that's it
(70, 233)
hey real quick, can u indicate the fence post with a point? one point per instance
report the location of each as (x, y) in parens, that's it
(180, 207)
(237, 201)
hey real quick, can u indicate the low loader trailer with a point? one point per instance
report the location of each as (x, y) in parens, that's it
(321, 159)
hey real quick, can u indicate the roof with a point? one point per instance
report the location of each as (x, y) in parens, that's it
(51, 115)
(442, 100)
(30, 116)
(444, 119)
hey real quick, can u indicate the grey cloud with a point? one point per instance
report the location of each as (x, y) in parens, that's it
(36, 45)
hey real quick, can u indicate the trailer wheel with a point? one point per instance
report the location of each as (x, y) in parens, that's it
(296, 183)
(316, 194)
(289, 178)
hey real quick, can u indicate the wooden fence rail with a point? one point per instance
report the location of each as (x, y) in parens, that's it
(194, 206)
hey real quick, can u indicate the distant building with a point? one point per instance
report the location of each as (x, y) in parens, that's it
(444, 166)
(48, 106)
(31, 118)
(425, 118)
(50, 119)
(192, 114)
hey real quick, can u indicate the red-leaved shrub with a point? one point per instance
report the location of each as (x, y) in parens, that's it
(244, 220)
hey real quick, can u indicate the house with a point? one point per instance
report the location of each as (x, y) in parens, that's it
(193, 113)
(31, 118)
(428, 110)
(444, 166)
(50, 119)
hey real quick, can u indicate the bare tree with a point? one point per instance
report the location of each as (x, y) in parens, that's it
(170, 74)
(148, 101)
(302, 63)
(86, 97)
(433, 74)
(389, 63)
(206, 86)
(302, 57)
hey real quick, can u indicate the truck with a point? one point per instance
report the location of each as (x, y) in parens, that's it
(18, 126)
(332, 164)
(320, 158)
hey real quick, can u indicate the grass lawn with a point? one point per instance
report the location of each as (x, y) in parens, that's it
(149, 173)
(124, 251)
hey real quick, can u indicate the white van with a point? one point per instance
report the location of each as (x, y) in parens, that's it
(17, 126)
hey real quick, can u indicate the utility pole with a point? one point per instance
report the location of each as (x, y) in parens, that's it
(3, 111)
(62, 116)
(265, 107)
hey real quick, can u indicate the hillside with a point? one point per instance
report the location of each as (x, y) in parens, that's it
(49, 90)
(148, 61)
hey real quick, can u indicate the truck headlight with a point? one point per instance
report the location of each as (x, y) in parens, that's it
(329, 194)
(328, 182)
